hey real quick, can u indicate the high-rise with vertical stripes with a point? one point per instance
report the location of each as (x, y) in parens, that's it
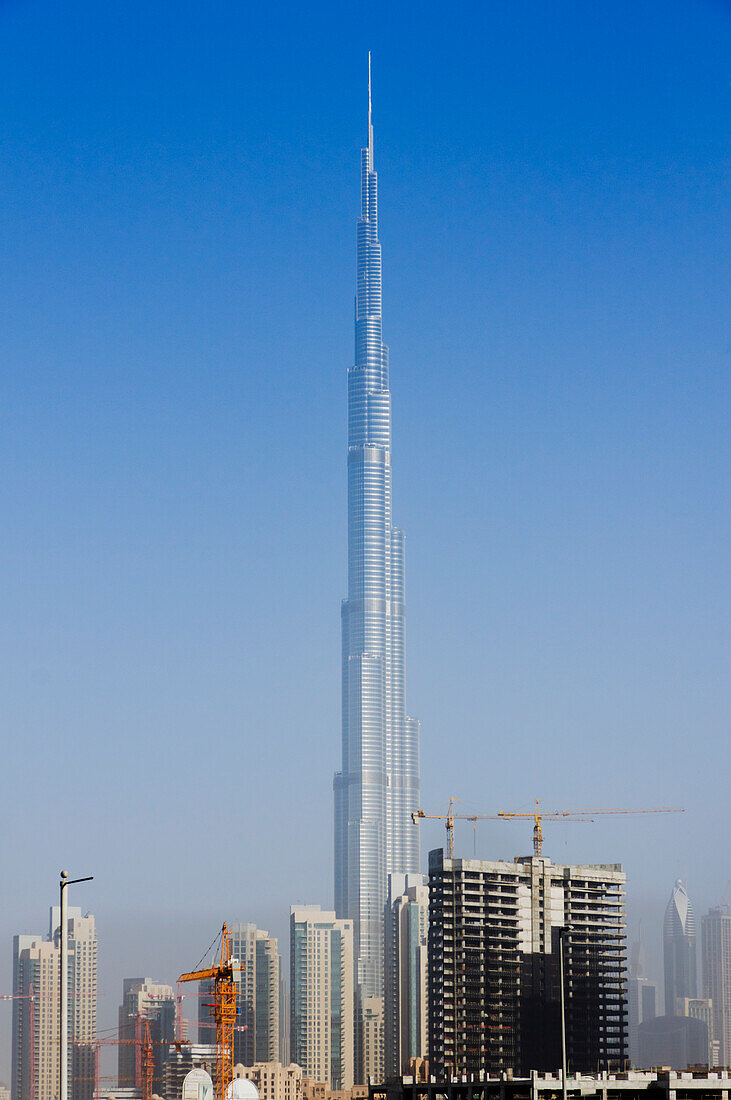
(36, 1023)
(378, 784)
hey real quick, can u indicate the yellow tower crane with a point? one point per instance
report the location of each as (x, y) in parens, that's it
(225, 977)
(449, 819)
(538, 818)
(575, 815)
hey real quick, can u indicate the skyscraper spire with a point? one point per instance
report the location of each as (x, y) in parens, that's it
(377, 788)
(370, 116)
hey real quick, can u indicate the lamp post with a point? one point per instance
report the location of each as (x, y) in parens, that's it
(564, 1091)
(64, 986)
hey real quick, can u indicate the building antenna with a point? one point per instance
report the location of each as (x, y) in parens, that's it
(370, 116)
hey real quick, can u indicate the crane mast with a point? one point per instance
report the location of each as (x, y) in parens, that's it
(225, 978)
(148, 1063)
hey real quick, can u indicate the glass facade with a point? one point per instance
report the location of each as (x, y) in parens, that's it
(678, 936)
(378, 785)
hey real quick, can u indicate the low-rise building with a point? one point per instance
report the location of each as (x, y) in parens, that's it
(273, 1080)
(318, 1090)
(180, 1059)
(660, 1084)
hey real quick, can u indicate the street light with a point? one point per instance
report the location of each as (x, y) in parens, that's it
(564, 1090)
(64, 990)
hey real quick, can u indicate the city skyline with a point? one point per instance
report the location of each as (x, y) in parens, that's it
(178, 215)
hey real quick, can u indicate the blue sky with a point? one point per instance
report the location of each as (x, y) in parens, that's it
(180, 189)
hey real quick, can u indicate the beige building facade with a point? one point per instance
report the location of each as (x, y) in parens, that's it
(273, 1080)
(36, 970)
(373, 1064)
(322, 998)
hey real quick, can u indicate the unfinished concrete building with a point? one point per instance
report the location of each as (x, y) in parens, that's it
(494, 977)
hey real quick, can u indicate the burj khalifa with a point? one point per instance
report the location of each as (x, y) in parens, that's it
(377, 788)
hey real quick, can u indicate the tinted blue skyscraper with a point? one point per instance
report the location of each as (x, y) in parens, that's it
(378, 786)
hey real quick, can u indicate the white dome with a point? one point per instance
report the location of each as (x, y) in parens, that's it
(241, 1088)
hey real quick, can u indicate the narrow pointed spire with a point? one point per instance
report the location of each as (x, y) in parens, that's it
(370, 117)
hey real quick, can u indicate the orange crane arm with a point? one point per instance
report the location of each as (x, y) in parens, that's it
(201, 975)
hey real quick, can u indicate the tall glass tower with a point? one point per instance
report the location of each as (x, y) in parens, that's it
(678, 942)
(378, 786)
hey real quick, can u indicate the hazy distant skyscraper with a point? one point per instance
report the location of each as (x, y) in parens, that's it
(36, 964)
(701, 1008)
(641, 999)
(716, 926)
(378, 785)
(674, 1041)
(678, 941)
(144, 1000)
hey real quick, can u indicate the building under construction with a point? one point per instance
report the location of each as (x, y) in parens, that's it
(180, 1059)
(494, 966)
(155, 1004)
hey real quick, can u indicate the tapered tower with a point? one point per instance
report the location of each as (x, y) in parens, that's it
(378, 785)
(678, 939)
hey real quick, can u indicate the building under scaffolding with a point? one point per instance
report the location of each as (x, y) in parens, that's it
(494, 975)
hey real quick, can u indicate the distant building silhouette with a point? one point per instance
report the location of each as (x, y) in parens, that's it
(674, 1041)
(701, 1008)
(679, 952)
(144, 1000)
(641, 1000)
